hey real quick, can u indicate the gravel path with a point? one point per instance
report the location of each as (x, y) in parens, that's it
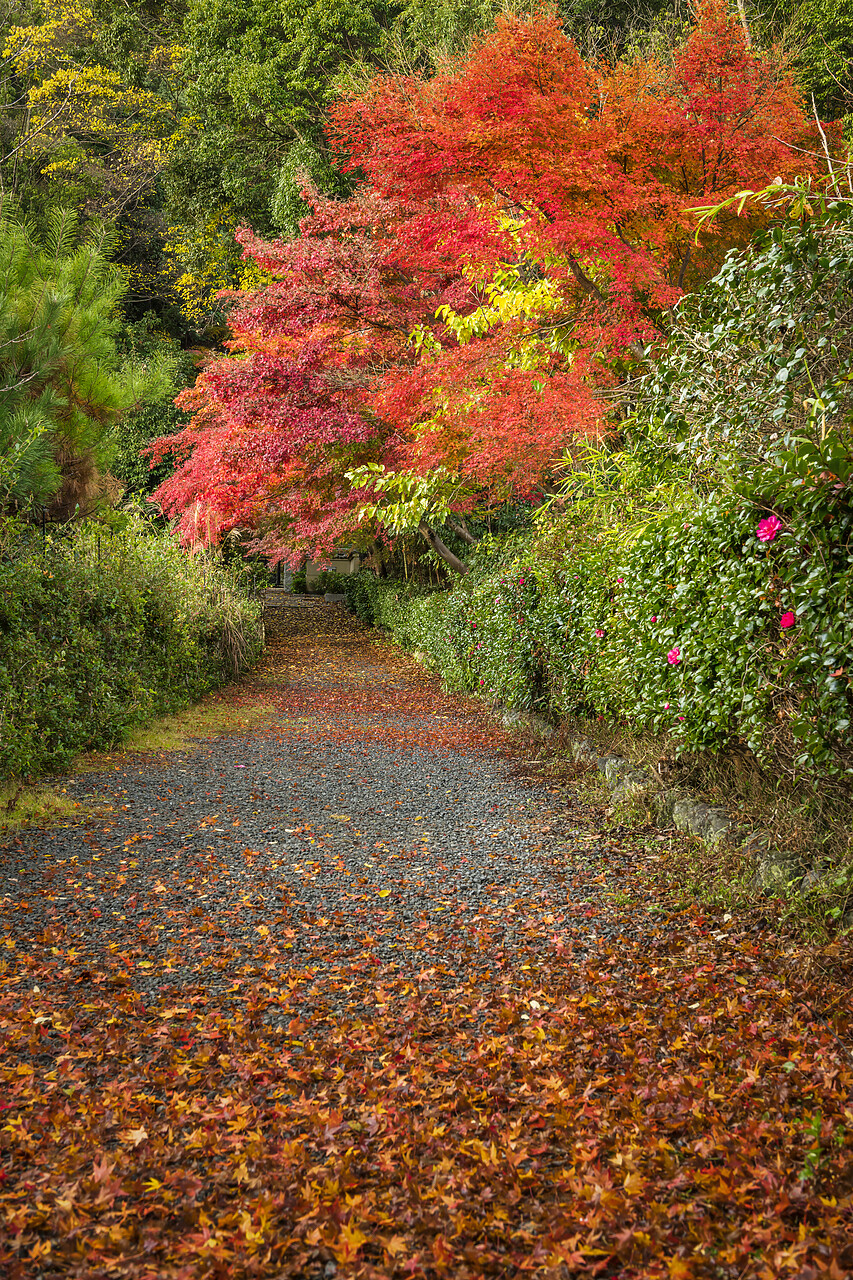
(354, 995)
(371, 807)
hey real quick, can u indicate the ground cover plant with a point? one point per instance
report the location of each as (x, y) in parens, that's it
(352, 995)
(103, 627)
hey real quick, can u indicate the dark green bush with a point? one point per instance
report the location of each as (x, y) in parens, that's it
(130, 463)
(101, 630)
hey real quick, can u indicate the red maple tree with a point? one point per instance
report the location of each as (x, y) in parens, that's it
(518, 156)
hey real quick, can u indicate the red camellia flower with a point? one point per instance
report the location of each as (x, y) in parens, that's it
(767, 529)
(674, 657)
(787, 620)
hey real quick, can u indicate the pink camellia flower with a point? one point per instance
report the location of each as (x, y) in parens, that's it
(787, 620)
(599, 632)
(767, 529)
(679, 717)
(620, 580)
(666, 706)
(674, 657)
(654, 617)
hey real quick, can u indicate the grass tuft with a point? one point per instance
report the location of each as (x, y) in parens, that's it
(212, 717)
(39, 805)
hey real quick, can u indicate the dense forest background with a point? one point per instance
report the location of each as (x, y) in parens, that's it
(163, 127)
(175, 123)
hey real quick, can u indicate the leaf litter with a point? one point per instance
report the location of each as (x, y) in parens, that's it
(349, 994)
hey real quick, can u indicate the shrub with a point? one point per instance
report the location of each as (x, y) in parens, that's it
(331, 580)
(699, 628)
(103, 629)
(130, 463)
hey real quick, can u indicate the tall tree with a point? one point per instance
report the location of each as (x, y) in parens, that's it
(92, 106)
(63, 385)
(277, 423)
(525, 233)
(260, 76)
(820, 33)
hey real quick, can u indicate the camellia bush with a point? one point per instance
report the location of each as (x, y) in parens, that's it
(717, 625)
(102, 629)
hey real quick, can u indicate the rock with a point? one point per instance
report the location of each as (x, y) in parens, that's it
(529, 720)
(583, 751)
(634, 783)
(611, 767)
(334, 597)
(708, 822)
(775, 869)
(662, 806)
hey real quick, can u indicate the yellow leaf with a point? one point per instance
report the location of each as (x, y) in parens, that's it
(349, 1242)
(133, 1136)
(383, 893)
(396, 1245)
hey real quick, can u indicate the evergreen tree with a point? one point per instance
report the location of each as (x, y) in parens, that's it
(63, 385)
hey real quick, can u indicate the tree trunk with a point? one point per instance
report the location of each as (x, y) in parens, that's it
(457, 565)
(461, 531)
(741, 8)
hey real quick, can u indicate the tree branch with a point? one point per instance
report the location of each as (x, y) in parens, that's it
(741, 8)
(436, 544)
(461, 531)
(590, 287)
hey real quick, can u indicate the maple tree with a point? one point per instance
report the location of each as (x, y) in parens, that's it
(278, 423)
(554, 200)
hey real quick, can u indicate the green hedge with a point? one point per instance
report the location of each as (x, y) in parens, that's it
(698, 629)
(101, 630)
